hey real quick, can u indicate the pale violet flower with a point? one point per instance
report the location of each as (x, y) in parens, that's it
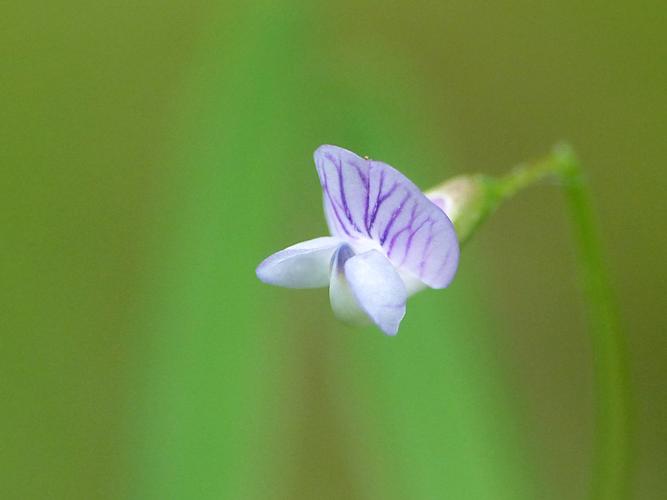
(388, 240)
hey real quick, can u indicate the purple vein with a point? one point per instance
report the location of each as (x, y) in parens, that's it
(426, 253)
(325, 185)
(408, 245)
(393, 217)
(380, 200)
(407, 227)
(366, 180)
(343, 198)
(375, 207)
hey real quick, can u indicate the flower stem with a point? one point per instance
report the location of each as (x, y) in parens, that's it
(611, 462)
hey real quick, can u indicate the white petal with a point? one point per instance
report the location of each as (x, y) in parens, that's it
(343, 302)
(378, 288)
(412, 283)
(304, 265)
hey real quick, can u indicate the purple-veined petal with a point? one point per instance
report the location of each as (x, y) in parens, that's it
(368, 199)
(378, 288)
(304, 265)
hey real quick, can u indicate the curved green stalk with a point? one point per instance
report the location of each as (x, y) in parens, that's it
(611, 459)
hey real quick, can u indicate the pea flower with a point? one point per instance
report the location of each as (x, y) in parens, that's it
(387, 241)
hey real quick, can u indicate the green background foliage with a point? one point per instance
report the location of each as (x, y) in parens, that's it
(152, 153)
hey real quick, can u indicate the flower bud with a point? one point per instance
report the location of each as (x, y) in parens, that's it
(466, 200)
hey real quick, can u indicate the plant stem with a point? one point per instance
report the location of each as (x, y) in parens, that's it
(611, 462)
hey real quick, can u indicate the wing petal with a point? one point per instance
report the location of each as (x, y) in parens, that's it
(304, 265)
(378, 288)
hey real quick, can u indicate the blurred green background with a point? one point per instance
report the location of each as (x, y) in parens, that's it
(152, 153)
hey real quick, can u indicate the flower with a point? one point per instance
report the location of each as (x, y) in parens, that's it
(388, 240)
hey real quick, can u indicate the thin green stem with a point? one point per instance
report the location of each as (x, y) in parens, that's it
(611, 458)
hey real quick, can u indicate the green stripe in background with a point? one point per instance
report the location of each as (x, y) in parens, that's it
(254, 392)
